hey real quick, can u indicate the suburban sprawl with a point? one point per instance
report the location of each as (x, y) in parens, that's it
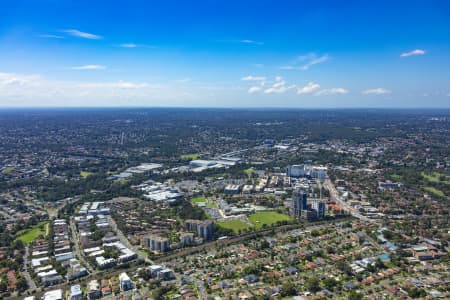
(224, 204)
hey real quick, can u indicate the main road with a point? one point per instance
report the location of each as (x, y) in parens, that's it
(182, 253)
(335, 196)
(123, 239)
(76, 242)
(31, 284)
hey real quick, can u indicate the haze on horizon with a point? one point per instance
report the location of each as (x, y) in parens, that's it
(225, 54)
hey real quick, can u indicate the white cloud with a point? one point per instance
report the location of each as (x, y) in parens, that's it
(288, 67)
(255, 89)
(304, 62)
(253, 78)
(81, 34)
(184, 80)
(133, 45)
(377, 91)
(259, 80)
(251, 42)
(50, 36)
(114, 85)
(36, 90)
(315, 61)
(128, 45)
(279, 87)
(333, 91)
(89, 67)
(310, 88)
(16, 80)
(413, 52)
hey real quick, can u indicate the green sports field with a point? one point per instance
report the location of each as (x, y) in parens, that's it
(234, 225)
(190, 156)
(30, 234)
(267, 217)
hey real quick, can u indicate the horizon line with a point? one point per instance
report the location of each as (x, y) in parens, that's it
(227, 107)
(269, 108)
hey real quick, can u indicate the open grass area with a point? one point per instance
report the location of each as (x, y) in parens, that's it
(220, 175)
(249, 171)
(198, 199)
(267, 217)
(209, 203)
(396, 177)
(8, 170)
(436, 177)
(191, 156)
(85, 174)
(234, 225)
(122, 181)
(436, 192)
(28, 235)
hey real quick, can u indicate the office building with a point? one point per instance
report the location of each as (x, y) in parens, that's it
(93, 290)
(299, 201)
(232, 189)
(186, 238)
(125, 282)
(156, 243)
(53, 295)
(296, 171)
(75, 292)
(308, 214)
(319, 207)
(204, 229)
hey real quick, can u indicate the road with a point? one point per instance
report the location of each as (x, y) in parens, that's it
(125, 241)
(31, 284)
(335, 196)
(180, 253)
(202, 294)
(373, 242)
(76, 242)
(245, 236)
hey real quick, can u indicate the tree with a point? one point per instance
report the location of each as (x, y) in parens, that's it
(330, 283)
(379, 264)
(22, 284)
(312, 284)
(354, 296)
(344, 267)
(416, 293)
(288, 289)
(315, 233)
(3, 285)
(97, 235)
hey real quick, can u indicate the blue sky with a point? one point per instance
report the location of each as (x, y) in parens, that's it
(225, 53)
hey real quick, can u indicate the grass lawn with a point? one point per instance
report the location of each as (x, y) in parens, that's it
(224, 175)
(30, 234)
(85, 174)
(396, 177)
(8, 170)
(209, 203)
(198, 199)
(191, 156)
(267, 217)
(234, 225)
(435, 192)
(435, 177)
(249, 171)
(121, 181)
